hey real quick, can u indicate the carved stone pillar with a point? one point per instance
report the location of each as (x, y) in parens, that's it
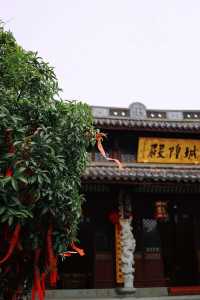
(128, 243)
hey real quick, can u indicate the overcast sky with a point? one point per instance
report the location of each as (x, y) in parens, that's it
(114, 52)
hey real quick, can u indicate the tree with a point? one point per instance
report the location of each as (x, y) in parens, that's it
(43, 151)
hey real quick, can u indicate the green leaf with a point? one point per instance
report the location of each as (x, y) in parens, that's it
(2, 210)
(44, 211)
(23, 179)
(5, 180)
(10, 220)
(17, 143)
(14, 184)
(8, 155)
(21, 169)
(32, 179)
(20, 214)
(29, 214)
(4, 218)
(11, 211)
(40, 179)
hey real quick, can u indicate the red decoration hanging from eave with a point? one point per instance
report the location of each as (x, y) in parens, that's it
(99, 138)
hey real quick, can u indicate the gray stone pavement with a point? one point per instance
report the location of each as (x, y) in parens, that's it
(132, 298)
(108, 294)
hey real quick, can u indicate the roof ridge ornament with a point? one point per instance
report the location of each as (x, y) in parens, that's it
(137, 111)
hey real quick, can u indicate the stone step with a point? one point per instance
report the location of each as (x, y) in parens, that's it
(197, 297)
(111, 294)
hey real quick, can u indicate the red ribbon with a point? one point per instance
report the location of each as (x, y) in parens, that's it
(9, 172)
(99, 139)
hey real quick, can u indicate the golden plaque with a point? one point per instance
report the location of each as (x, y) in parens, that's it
(164, 150)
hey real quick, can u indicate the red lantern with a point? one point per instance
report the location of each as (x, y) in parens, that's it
(161, 210)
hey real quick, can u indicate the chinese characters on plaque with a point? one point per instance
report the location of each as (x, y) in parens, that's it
(164, 150)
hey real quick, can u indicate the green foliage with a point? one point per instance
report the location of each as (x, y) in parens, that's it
(43, 141)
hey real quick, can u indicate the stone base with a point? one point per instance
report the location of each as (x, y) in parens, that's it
(113, 294)
(126, 291)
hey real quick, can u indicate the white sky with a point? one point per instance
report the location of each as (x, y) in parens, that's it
(114, 52)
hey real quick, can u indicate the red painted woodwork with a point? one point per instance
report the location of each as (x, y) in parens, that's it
(104, 270)
(74, 281)
(149, 270)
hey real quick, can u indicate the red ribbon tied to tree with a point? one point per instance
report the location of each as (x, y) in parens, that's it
(76, 249)
(99, 138)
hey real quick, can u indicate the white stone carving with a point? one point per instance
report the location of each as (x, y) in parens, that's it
(174, 115)
(137, 111)
(128, 248)
(100, 112)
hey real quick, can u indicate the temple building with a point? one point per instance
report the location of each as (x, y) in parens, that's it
(141, 223)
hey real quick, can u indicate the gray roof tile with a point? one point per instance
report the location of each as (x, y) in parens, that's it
(147, 124)
(146, 172)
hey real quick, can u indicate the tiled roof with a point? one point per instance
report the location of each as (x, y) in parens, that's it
(142, 173)
(147, 124)
(138, 117)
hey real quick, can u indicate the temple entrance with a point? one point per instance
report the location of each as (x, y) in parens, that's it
(167, 251)
(178, 246)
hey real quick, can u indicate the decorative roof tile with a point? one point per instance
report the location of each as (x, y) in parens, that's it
(147, 124)
(142, 173)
